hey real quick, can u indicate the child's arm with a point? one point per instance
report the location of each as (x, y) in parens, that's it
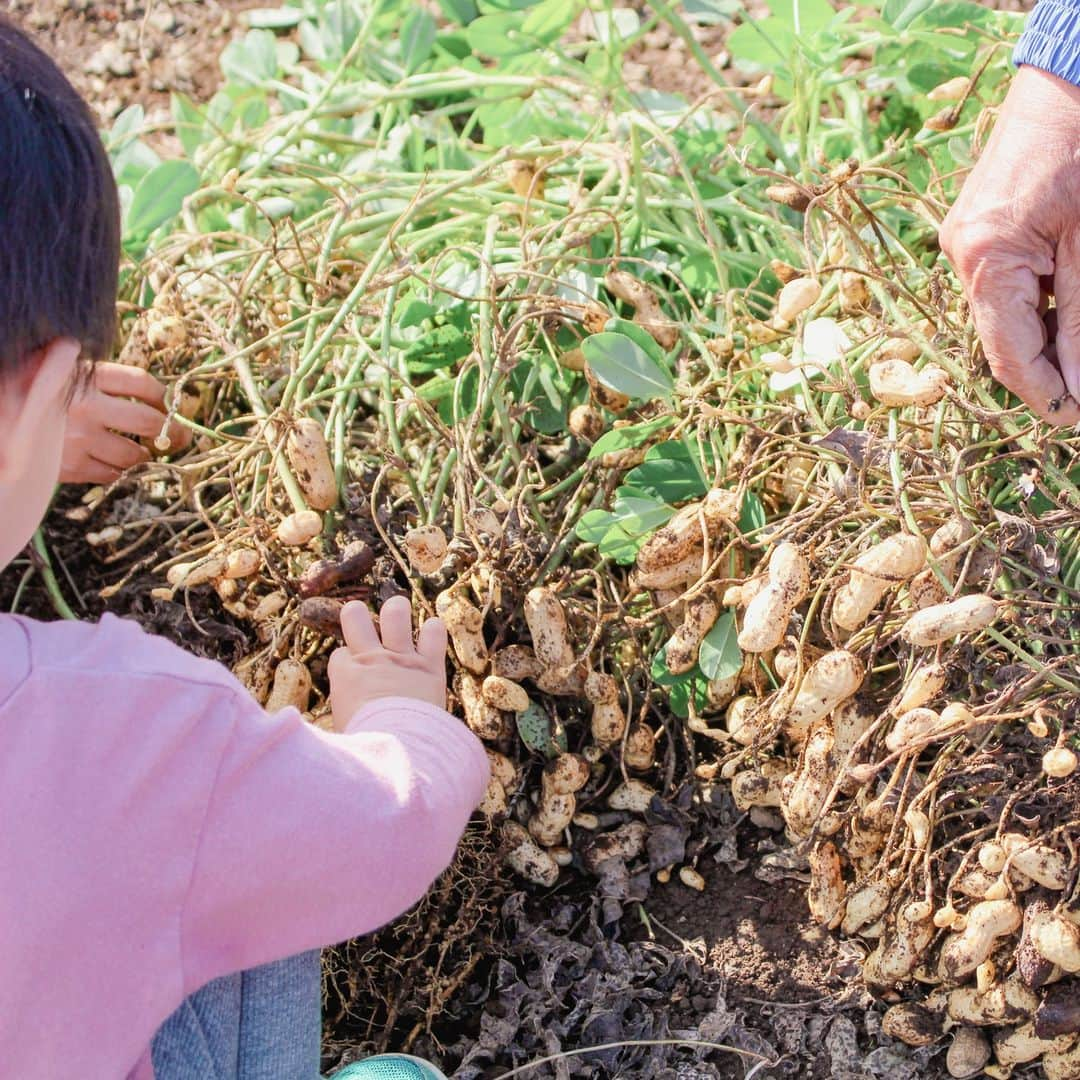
(118, 401)
(310, 837)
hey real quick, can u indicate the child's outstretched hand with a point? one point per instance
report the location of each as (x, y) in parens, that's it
(118, 403)
(366, 668)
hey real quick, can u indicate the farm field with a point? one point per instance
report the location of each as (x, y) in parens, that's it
(619, 336)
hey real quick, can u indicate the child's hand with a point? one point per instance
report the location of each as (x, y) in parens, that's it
(366, 668)
(118, 398)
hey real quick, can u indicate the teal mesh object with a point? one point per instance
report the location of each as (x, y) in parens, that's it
(390, 1067)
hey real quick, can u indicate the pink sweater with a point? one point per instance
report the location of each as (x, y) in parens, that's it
(158, 829)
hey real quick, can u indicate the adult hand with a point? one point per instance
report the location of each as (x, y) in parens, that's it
(1014, 237)
(118, 403)
(368, 667)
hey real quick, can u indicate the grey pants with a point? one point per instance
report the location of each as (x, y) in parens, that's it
(262, 1024)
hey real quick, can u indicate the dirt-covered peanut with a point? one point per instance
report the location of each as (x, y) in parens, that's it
(687, 531)
(691, 878)
(601, 688)
(517, 662)
(624, 843)
(745, 720)
(766, 618)
(937, 624)
(923, 685)
(425, 548)
(719, 692)
(647, 312)
(1057, 940)
(805, 792)
(901, 946)
(586, 422)
(200, 573)
(686, 570)
(269, 605)
(968, 1053)
(682, 649)
(915, 729)
(309, 457)
(829, 681)
(242, 563)
(552, 818)
(299, 528)
(1059, 763)
(483, 719)
(505, 694)
(1062, 1064)
(639, 749)
(887, 563)
(760, 785)
(1021, 1045)
(565, 774)
(825, 896)
(608, 723)
(986, 922)
(353, 563)
(494, 802)
(526, 857)
(895, 382)
(502, 768)
(1059, 1011)
(465, 626)
(292, 687)
(568, 681)
(1041, 863)
(796, 296)
(912, 1023)
(865, 905)
(547, 624)
(633, 795)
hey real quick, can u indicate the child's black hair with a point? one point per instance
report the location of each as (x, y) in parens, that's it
(59, 213)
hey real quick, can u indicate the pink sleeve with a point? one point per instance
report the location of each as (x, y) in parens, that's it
(311, 838)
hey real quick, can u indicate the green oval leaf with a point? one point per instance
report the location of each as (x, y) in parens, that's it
(159, 198)
(720, 656)
(622, 364)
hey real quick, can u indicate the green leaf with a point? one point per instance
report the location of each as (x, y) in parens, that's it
(251, 60)
(497, 36)
(720, 656)
(620, 532)
(548, 20)
(158, 199)
(536, 730)
(625, 438)
(621, 364)
(460, 11)
(900, 14)
(751, 514)
(283, 18)
(671, 472)
(638, 334)
(190, 124)
(418, 33)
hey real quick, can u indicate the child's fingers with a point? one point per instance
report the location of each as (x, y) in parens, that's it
(431, 644)
(358, 628)
(395, 624)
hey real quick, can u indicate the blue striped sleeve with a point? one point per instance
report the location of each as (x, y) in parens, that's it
(1051, 40)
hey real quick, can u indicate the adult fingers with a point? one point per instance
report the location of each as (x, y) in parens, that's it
(395, 625)
(358, 628)
(1005, 305)
(116, 451)
(431, 644)
(1067, 310)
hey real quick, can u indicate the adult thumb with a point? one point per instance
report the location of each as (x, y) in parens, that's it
(1067, 310)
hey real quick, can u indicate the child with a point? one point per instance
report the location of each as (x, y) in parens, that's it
(160, 833)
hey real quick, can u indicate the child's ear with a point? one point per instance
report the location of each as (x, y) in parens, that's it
(33, 402)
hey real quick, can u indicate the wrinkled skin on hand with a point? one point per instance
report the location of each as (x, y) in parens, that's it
(1014, 238)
